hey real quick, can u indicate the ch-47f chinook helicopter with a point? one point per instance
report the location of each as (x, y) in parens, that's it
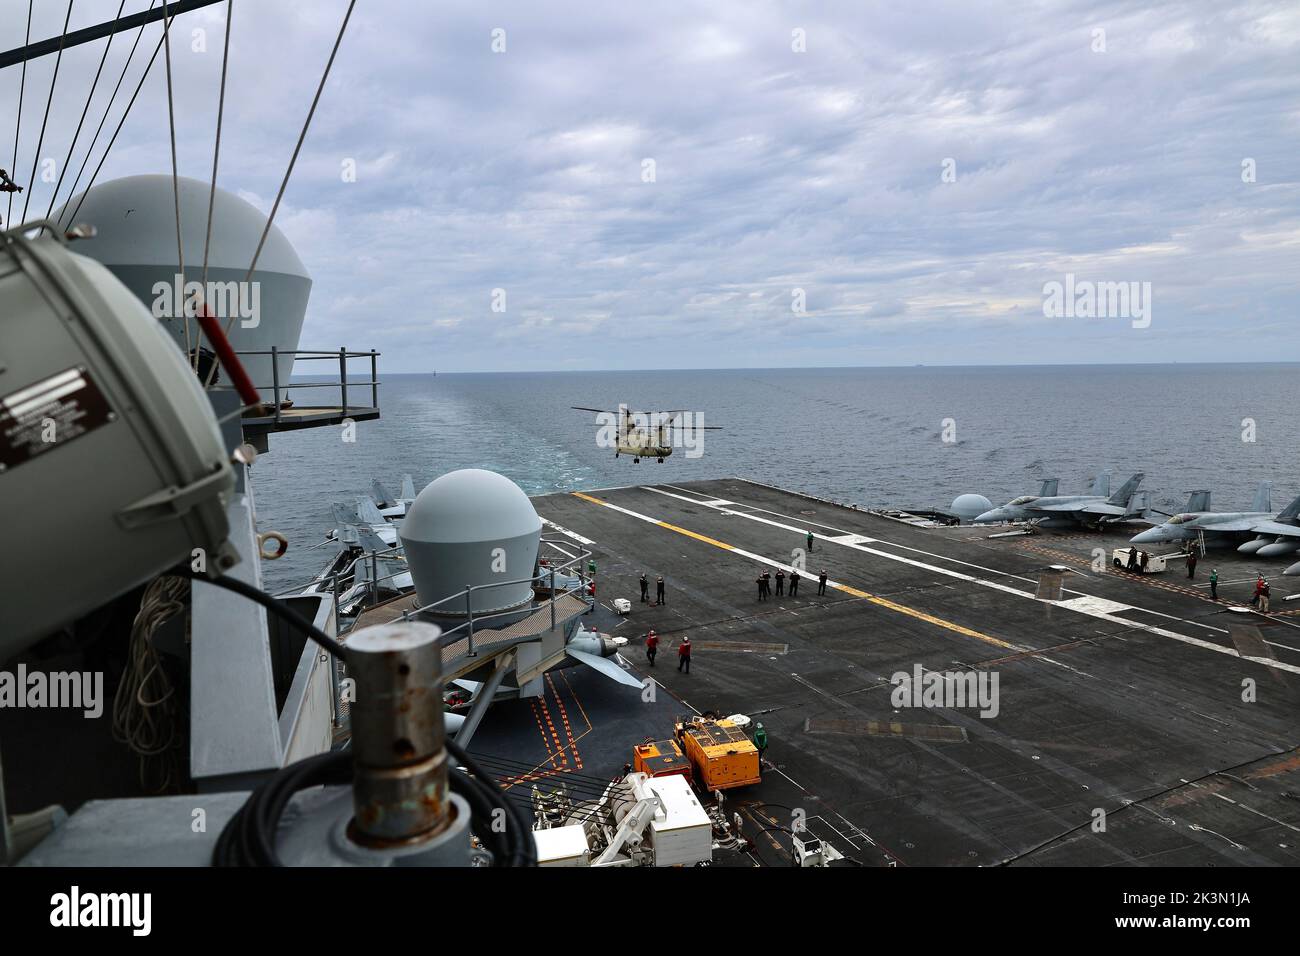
(648, 434)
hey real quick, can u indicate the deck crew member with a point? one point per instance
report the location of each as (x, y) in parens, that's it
(1191, 563)
(1214, 584)
(810, 541)
(821, 583)
(762, 587)
(780, 582)
(760, 741)
(1132, 560)
(1264, 592)
(651, 647)
(1259, 589)
(794, 583)
(645, 589)
(684, 655)
(659, 590)
(1142, 562)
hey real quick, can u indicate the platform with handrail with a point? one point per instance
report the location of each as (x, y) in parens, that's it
(358, 397)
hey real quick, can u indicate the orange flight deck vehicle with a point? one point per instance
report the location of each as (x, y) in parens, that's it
(721, 755)
(660, 758)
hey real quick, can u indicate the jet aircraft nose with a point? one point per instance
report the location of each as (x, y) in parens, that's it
(1150, 536)
(988, 517)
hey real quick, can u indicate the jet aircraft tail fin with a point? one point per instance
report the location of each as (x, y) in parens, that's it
(1126, 491)
(1263, 497)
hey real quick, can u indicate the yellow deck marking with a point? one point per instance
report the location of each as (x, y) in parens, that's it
(855, 592)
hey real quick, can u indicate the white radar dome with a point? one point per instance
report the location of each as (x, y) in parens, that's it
(967, 507)
(472, 528)
(135, 222)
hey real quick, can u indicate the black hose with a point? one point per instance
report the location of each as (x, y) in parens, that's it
(248, 839)
(274, 605)
(520, 847)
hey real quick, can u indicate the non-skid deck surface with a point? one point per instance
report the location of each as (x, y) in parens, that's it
(1136, 721)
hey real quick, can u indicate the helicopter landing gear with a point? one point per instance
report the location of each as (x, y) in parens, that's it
(636, 461)
(661, 461)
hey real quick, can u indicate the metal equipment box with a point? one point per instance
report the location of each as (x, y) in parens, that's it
(660, 758)
(720, 753)
(562, 846)
(681, 832)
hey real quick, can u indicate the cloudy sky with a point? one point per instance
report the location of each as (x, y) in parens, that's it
(658, 185)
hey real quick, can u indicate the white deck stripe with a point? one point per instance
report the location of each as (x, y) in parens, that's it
(567, 533)
(1090, 609)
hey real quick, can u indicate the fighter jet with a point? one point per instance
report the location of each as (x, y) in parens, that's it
(1272, 537)
(1071, 511)
(1017, 509)
(1198, 519)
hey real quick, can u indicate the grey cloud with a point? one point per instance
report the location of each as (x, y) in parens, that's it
(774, 170)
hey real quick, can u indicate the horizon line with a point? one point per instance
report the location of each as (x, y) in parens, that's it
(818, 368)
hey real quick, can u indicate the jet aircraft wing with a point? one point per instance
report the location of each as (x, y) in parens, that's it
(1238, 524)
(605, 665)
(1274, 527)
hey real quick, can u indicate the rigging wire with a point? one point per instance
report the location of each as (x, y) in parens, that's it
(275, 606)
(63, 170)
(292, 160)
(216, 153)
(176, 188)
(572, 779)
(22, 87)
(102, 120)
(49, 100)
(120, 124)
(34, 51)
(526, 770)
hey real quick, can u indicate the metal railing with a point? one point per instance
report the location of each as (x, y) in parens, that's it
(304, 355)
(332, 581)
(466, 595)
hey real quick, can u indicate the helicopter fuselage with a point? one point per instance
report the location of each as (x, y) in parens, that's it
(640, 445)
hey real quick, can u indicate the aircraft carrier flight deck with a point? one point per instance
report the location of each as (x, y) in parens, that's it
(1135, 720)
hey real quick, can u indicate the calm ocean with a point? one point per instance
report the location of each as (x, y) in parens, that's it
(866, 436)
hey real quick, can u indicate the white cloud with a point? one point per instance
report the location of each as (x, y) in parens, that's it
(773, 170)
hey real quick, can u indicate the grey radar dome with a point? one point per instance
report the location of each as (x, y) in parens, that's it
(968, 507)
(135, 222)
(472, 528)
